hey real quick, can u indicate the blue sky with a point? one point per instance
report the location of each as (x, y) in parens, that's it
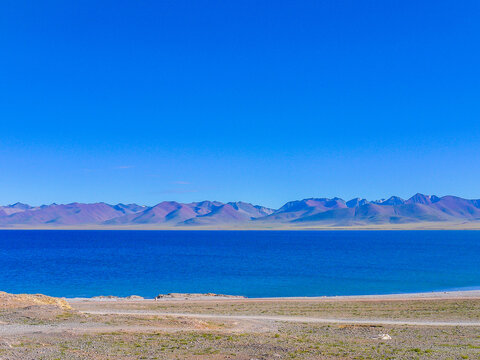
(266, 102)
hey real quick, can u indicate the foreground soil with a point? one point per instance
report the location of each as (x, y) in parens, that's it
(331, 328)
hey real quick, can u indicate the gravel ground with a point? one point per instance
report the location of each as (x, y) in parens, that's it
(138, 331)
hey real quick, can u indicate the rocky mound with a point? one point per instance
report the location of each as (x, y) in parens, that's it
(196, 296)
(113, 297)
(14, 301)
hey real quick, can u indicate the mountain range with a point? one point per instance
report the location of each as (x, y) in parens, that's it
(306, 213)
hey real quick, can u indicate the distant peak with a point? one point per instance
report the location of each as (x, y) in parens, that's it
(419, 198)
(19, 205)
(356, 202)
(393, 200)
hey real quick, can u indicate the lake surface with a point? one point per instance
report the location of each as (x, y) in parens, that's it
(250, 263)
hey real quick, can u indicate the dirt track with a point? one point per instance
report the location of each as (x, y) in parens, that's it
(299, 319)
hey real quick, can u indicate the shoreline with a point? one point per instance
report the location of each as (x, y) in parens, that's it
(412, 226)
(434, 295)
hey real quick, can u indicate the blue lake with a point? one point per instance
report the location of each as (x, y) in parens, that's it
(250, 263)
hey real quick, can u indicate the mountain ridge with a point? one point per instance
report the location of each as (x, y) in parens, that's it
(310, 212)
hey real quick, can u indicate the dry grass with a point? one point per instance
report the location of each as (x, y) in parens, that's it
(452, 309)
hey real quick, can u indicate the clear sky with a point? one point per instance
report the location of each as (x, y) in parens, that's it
(260, 101)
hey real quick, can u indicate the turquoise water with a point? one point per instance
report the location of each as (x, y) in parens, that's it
(250, 263)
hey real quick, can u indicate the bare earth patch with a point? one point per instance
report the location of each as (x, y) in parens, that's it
(11, 301)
